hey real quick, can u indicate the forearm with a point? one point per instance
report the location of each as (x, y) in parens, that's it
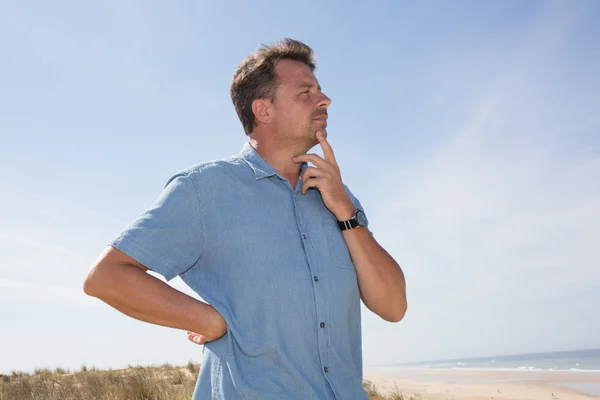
(146, 298)
(380, 279)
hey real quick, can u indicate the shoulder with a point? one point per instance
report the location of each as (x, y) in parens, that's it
(211, 172)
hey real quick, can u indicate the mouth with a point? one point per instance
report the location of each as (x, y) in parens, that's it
(321, 114)
(322, 121)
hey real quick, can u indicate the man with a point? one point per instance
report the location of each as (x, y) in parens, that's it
(279, 249)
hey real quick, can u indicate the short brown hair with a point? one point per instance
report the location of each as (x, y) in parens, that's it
(255, 77)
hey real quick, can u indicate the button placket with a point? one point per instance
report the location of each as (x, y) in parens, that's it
(321, 315)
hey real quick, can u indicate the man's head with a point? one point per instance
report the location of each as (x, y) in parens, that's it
(275, 91)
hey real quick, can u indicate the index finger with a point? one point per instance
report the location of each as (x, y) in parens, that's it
(327, 150)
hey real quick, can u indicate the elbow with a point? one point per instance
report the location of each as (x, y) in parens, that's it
(96, 281)
(107, 275)
(90, 286)
(397, 314)
(93, 283)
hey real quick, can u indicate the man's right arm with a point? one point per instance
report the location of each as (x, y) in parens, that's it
(123, 283)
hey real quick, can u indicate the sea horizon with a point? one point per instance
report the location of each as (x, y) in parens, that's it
(584, 360)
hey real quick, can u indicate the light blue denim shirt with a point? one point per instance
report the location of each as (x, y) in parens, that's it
(274, 264)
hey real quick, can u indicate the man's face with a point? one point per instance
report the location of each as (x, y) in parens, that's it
(300, 106)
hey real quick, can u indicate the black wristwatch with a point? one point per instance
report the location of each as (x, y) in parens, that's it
(359, 219)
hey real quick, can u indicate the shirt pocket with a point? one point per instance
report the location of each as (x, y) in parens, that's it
(340, 255)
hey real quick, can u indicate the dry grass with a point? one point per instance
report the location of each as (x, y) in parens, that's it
(396, 394)
(134, 383)
(165, 382)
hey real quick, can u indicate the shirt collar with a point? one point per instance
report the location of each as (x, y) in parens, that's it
(260, 167)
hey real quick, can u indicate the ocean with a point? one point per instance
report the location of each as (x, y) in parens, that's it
(578, 360)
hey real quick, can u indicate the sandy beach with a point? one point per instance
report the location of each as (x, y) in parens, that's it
(492, 384)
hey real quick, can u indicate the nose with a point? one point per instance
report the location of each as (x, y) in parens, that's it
(324, 101)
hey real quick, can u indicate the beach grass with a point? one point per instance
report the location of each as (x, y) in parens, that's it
(165, 382)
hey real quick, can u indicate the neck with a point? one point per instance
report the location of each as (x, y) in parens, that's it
(279, 157)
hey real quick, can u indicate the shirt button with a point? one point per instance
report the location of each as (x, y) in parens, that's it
(326, 369)
(316, 278)
(322, 324)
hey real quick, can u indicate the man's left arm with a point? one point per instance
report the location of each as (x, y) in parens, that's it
(380, 278)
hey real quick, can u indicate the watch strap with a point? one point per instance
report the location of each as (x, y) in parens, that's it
(351, 223)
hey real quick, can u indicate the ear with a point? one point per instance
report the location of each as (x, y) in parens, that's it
(262, 110)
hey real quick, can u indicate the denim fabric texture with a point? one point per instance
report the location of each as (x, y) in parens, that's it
(274, 264)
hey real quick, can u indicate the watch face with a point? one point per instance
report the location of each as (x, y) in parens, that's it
(361, 218)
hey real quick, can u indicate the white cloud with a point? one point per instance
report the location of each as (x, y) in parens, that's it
(13, 290)
(501, 224)
(517, 187)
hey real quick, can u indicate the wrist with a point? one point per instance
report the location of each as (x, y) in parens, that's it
(216, 326)
(205, 319)
(347, 213)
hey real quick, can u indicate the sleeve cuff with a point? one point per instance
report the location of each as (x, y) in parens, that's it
(138, 253)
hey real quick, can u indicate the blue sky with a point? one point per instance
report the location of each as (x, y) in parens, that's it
(469, 130)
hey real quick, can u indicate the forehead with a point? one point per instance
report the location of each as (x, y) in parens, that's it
(294, 73)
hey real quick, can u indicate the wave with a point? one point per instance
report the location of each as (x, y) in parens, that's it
(517, 369)
(584, 370)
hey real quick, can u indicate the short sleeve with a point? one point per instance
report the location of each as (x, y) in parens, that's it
(356, 203)
(167, 238)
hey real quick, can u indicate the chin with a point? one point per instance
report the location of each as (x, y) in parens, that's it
(313, 136)
(310, 142)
